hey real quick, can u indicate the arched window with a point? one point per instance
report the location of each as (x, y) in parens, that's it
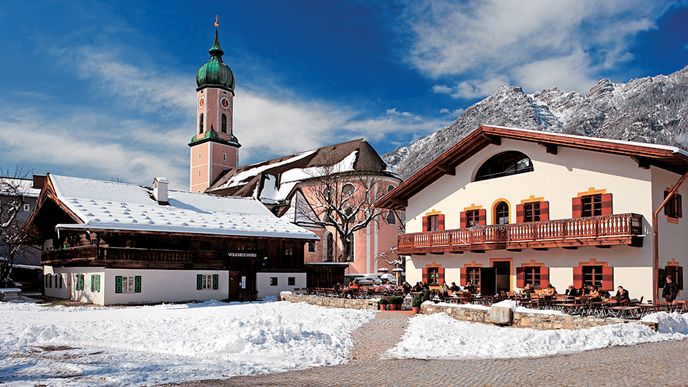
(504, 164)
(501, 215)
(200, 124)
(391, 218)
(329, 247)
(224, 124)
(390, 188)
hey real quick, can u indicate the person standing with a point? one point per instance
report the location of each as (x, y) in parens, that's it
(670, 291)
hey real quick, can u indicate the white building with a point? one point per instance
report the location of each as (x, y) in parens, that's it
(112, 243)
(505, 206)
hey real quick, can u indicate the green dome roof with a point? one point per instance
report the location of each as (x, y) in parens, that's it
(215, 73)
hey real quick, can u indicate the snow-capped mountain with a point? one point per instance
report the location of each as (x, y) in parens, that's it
(651, 109)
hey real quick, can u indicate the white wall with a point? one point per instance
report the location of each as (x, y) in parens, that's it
(164, 286)
(69, 291)
(266, 290)
(53, 291)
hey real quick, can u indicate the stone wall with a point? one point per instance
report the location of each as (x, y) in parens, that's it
(334, 302)
(526, 320)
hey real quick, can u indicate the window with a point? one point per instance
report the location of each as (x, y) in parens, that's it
(673, 271)
(348, 189)
(61, 281)
(531, 212)
(288, 251)
(200, 124)
(433, 276)
(591, 205)
(95, 283)
(27, 207)
(78, 282)
(329, 247)
(674, 207)
(224, 156)
(592, 275)
(311, 246)
(207, 281)
(49, 281)
(390, 188)
(433, 223)
(199, 156)
(531, 275)
(291, 281)
(351, 248)
(273, 281)
(129, 284)
(223, 124)
(391, 218)
(504, 164)
(473, 276)
(472, 218)
(502, 213)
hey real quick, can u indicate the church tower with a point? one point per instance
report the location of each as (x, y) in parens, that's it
(214, 148)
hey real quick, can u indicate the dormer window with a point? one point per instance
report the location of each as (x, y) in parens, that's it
(504, 164)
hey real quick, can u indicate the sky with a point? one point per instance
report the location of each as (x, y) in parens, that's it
(106, 89)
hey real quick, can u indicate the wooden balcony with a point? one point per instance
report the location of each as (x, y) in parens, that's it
(126, 257)
(603, 231)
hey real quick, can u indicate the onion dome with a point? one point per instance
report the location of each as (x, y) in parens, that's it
(215, 73)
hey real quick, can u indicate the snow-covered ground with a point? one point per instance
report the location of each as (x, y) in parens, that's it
(439, 336)
(168, 343)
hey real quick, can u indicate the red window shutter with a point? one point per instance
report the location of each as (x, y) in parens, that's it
(544, 276)
(425, 276)
(544, 211)
(425, 223)
(679, 277)
(520, 214)
(577, 208)
(607, 278)
(520, 277)
(607, 204)
(440, 222)
(462, 219)
(482, 217)
(440, 274)
(463, 276)
(577, 277)
(679, 205)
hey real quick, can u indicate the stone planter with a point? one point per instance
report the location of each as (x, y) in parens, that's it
(415, 309)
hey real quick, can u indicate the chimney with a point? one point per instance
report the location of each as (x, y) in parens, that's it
(39, 181)
(160, 190)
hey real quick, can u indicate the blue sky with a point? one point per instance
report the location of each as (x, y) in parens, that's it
(106, 89)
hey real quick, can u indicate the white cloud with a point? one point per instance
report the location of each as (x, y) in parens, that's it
(441, 89)
(524, 41)
(478, 88)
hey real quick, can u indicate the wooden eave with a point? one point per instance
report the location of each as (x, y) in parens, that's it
(486, 135)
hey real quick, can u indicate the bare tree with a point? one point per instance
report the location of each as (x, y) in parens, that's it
(342, 200)
(14, 237)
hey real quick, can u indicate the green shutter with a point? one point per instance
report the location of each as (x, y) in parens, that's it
(118, 284)
(93, 283)
(98, 283)
(216, 279)
(199, 281)
(81, 282)
(137, 284)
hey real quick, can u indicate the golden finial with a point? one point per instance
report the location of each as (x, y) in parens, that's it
(217, 23)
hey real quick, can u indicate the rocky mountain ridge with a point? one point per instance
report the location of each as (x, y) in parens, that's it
(649, 109)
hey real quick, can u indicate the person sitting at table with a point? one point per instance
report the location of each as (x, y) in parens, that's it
(571, 291)
(550, 291)
(594, 294)
(469, 287)
(445, 290)
(454, 287)
(527, 290)
(417, 288)
(426, 287)
(407, 287)
(605, 293)
(622, 297)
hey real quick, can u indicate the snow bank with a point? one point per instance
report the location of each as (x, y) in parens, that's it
(669, 322)
(169, 343)
(439, 336)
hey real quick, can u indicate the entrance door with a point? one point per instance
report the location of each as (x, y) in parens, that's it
(487, 281)
(234, 285)
(502, 276)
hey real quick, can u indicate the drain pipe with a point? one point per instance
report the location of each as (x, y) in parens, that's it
(655, 236)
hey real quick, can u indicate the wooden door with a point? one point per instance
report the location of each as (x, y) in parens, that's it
(234, 285)
(487, 281)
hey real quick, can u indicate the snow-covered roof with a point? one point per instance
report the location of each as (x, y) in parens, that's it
(23, 186)
(245, 175)
(117, 206)
(600, 139)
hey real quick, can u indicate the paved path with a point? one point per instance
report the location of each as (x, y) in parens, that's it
(653, 364)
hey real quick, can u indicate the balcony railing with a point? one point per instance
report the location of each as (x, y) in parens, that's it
(105, 254)
(597, 230)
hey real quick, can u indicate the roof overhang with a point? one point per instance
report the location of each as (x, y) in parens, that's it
(646, 155)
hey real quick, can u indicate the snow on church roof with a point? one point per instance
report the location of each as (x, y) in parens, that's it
(117, 206)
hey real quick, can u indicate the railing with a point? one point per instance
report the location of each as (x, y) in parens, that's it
(619, 225)
(91, 253)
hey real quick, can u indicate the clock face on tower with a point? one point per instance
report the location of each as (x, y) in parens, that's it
(201, 102)
(224, 102)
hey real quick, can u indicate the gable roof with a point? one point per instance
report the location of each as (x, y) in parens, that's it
(105, 205)
(274, 180)
(667, 157)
